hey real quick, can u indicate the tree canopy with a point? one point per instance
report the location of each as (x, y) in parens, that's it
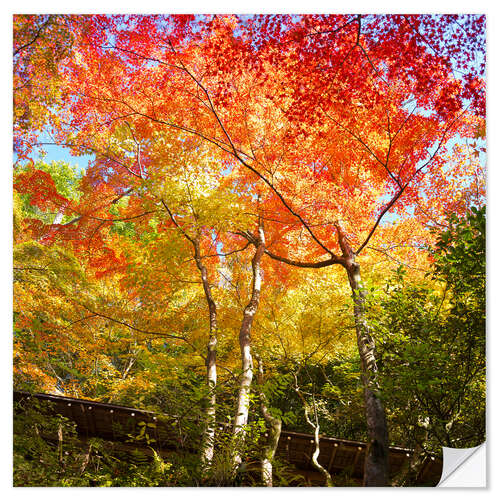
(282, 223)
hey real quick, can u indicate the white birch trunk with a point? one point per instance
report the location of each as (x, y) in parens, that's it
(208, 438)
(241, 417)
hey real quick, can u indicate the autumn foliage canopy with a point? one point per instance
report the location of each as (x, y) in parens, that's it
(333, 143)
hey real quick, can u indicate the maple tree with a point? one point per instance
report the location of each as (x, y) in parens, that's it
(40, 44)
(288, 140)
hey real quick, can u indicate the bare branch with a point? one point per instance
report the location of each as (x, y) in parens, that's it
(128, 325)
(35, 38)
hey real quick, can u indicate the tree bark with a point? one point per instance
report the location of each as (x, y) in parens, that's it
(376, 462)
(208, 439)
(59, 216)
(376, 459)
(273, 427)
(409, 473)
(328, 477)
(241, 417)
(315, 427)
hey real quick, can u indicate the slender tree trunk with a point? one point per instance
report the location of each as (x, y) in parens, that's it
(315, 427)
(208, 439)
(127, 369)
(209, 434)
(59, 216)
(241, 417)
(409, 476)
(326, 474)
(376, 460)
(273, 427)
(409, 473)
(57, 220)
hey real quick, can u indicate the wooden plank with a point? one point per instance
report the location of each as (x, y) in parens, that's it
(104, 419)
(332, 456)
(359, 452)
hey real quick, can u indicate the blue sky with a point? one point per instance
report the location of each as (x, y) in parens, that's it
(56, 153)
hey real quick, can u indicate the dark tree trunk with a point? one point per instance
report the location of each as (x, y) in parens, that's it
(376, 461)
